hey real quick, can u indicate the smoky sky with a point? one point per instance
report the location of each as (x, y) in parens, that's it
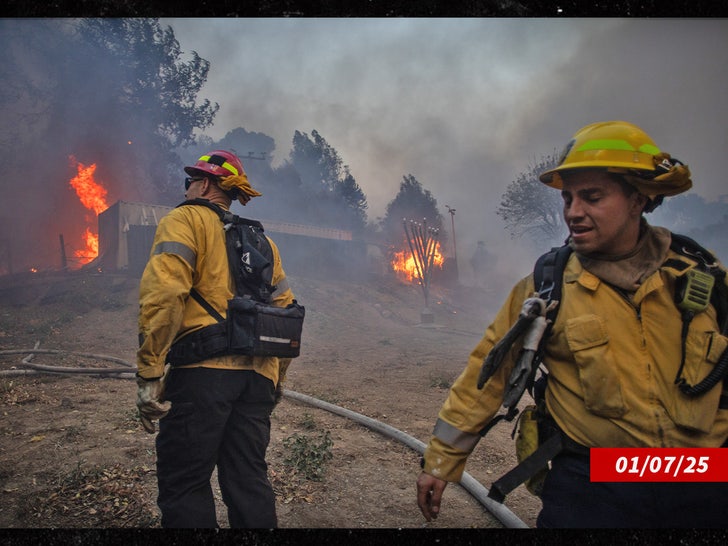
(465, 105)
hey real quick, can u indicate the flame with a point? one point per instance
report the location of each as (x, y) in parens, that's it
(93, 196)
(91, 193)
(92, 246)
(404, 265)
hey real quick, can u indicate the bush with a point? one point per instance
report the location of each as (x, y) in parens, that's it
(308, 455)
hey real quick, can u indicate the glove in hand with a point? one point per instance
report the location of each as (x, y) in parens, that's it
(150, 400)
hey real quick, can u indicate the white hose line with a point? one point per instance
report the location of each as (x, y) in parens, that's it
(33, 369)
(61, 352)
(115, 374)
(470, 484)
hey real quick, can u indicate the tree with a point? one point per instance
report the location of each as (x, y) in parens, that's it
(348, 192)
(312, 187)
(530, 208)
(316, 161)
(412, 202)
(150, 94)
(687, 212)
(110, 92)
(27, 82)
(331, 195)
(154, 86)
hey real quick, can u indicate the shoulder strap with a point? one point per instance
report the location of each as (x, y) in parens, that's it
(548, 278)
(206, 305)
(548, 274)
(682, 244)
(549, 268)
(226, 217)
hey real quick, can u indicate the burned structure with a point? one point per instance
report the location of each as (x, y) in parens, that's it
(126, 232)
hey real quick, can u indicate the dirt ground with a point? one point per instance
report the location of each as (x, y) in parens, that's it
(74, 455)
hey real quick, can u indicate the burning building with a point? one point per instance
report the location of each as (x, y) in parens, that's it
(126, 233)
(117, 238)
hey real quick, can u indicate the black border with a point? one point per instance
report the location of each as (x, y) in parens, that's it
(364, 8)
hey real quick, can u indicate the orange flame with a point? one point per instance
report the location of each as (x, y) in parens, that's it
(91, 193)
(92, 244)
(403, 264)
(93, 197)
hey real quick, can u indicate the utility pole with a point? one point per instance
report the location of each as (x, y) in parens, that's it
(250, 155)
(454, 244)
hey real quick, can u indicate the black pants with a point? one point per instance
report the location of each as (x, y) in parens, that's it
(218, 418)
(570, 500)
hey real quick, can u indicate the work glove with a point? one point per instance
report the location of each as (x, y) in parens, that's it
(150, 400)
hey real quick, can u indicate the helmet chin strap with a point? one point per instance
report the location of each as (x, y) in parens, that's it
(653, 203)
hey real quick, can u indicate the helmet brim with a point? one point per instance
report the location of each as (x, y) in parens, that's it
(192, 171)
(549, 179)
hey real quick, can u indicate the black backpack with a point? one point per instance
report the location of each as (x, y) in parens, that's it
(253, 327)
(548, 281)
(249, 253)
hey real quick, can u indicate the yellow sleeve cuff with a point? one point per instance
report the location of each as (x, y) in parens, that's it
(444, 462)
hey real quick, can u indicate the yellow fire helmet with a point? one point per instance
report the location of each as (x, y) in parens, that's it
(623, 148)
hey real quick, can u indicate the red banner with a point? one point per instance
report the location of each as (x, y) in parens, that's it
(673, 464)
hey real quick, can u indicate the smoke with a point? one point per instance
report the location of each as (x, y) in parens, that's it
(464, 105)
(60, 108)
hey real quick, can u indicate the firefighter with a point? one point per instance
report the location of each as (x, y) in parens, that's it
(618, 353)
(480, 262)
(214, 412)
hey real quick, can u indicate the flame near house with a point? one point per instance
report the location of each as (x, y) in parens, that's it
(92, 196)
(404, 265)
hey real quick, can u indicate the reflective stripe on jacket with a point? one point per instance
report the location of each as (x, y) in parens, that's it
(612, 364)
(189, 250)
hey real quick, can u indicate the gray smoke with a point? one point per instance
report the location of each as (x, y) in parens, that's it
(465, 105)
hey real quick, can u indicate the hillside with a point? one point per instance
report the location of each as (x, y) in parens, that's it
(73, 454)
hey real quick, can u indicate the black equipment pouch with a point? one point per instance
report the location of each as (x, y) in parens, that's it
(208, 342)
(253, 327)
(257, 329)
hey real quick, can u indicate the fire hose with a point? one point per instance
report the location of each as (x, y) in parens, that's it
(32, 368)
(470, 484)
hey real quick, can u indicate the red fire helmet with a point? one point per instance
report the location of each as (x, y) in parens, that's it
(217, 163)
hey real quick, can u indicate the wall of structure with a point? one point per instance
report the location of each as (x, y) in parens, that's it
(126, 234)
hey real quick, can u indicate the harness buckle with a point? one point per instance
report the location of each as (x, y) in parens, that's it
(545, 293)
